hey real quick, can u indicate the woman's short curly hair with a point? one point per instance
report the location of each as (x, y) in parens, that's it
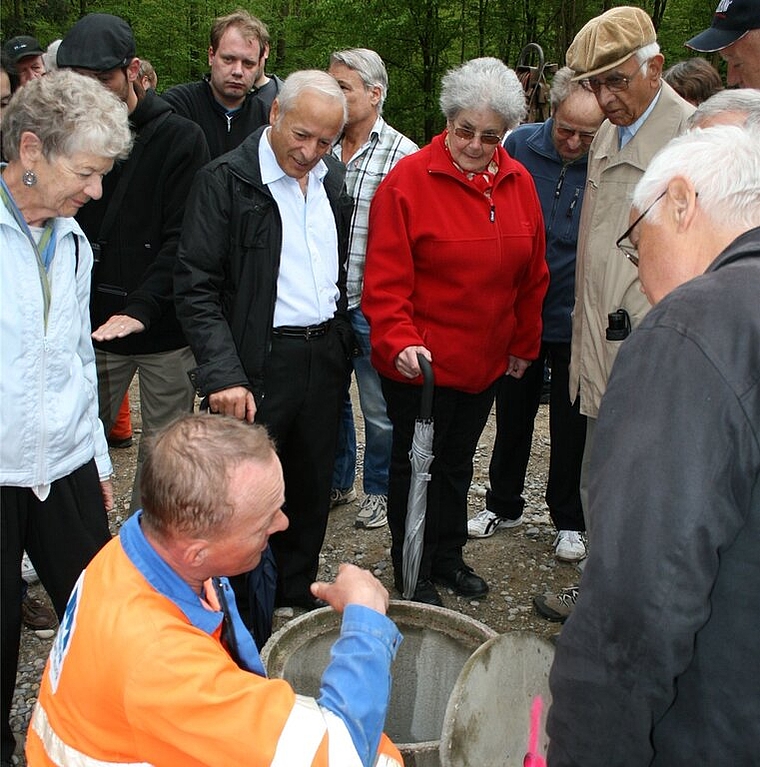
(68, 113)
(485, 83)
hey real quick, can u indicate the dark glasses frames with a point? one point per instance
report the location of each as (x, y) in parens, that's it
(629, 249)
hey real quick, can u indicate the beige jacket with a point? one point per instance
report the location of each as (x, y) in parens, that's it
(604, 278)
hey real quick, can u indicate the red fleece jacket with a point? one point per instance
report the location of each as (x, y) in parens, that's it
(453, 271)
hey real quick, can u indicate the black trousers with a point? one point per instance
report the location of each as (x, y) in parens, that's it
(304, 384)
(61, 535)
(517, 403)
(459, 419)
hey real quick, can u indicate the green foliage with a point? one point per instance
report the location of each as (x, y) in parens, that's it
(418, 39)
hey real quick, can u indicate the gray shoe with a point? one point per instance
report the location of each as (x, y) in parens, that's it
(373, 512)
(556, 607)
(340, 496)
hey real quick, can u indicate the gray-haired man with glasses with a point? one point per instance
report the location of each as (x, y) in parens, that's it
(617, 58)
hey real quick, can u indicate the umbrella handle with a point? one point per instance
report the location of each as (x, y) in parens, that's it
(426, 404)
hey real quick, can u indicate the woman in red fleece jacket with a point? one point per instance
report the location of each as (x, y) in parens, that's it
(455, 271)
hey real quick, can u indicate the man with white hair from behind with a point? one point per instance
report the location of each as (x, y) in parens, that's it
(654, 665)
(735, 106)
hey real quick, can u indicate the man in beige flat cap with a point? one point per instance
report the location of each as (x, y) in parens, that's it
(615, 56)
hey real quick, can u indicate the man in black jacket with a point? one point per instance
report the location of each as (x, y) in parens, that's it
(260, 290)
(134, 229)
(224, 103)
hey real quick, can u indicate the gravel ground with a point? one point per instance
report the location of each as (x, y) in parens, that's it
(517, 563)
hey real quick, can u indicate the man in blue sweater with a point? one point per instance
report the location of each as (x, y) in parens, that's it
(555, 154)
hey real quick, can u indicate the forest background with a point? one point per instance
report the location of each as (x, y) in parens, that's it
(419, 40)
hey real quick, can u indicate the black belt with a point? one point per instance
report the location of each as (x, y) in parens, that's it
(307, 333)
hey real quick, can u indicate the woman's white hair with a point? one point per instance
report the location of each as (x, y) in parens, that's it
(485, 83)
(723, 163)
(68, 113)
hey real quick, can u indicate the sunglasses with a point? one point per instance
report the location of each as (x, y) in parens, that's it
(485, 138)
(566, 132)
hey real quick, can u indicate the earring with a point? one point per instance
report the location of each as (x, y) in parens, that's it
(29, 178)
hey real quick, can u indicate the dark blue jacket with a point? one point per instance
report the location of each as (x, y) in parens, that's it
(560, 190)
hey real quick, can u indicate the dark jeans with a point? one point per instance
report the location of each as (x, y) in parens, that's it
(61, 535)
(517, 403)
(459, 419)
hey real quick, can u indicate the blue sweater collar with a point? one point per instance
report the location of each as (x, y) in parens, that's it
(164, 580)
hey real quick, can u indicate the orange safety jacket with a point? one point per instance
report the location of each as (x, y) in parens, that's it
(132, 681)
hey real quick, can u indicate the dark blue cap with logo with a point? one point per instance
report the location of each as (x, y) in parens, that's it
(20, 47)
(732, 20)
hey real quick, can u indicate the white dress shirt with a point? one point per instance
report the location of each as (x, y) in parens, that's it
(307, 291)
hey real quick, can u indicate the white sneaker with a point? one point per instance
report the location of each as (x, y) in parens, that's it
(569, 546)
(485, 523)
(373, 512)
(28, 573)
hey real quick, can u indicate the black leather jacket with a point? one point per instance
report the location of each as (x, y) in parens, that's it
(228, 263)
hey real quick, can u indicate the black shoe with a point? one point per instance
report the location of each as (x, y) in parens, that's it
(425, 592)
(463, 581)
(120, 443)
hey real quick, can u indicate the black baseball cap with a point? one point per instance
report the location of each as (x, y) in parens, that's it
(99, 42)
(20, 47)
(732, 20)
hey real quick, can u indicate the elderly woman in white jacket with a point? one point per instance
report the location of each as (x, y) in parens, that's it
(61, 135)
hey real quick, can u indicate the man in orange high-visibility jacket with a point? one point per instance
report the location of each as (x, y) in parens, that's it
(153, 665)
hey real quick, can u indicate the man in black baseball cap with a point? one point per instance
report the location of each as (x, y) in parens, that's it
(103, 45)
(735, 34)
(23, 55)
(135, 228)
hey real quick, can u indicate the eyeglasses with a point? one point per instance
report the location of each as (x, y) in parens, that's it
(485, 138)
(613, 83)
(629, 250)
(565, 132)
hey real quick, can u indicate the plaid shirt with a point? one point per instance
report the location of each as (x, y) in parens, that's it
(364, 172)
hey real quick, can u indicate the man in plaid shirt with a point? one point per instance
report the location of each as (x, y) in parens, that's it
(369, 148)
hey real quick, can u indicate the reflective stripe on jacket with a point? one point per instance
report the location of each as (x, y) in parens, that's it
(303, 735)
(138, 675)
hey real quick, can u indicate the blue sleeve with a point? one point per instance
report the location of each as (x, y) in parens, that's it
(356, 684)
